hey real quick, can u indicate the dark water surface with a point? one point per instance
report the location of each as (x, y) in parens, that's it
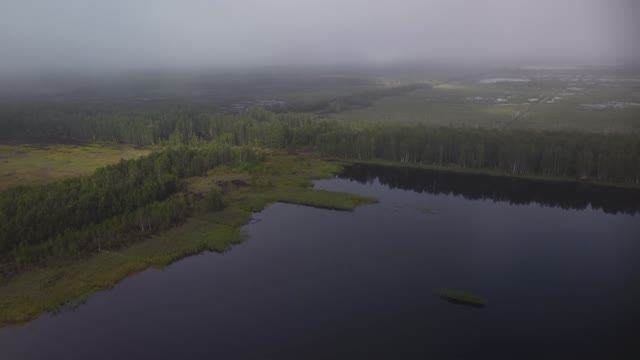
(561, 282)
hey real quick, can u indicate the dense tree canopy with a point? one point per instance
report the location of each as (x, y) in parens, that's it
(103, 209)
(517, 152)
(607, 158)
(123, 202)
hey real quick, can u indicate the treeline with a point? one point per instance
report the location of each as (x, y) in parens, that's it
(144, 125)
(359, 100)
(114, 206)
(131, 124)
(606, 158)
(124, 202)
(154, 123)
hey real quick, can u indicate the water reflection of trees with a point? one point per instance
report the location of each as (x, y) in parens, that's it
(566, 195)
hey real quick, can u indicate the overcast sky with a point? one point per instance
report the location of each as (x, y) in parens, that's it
(39, 35)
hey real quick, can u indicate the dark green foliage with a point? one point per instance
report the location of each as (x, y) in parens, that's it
(123, 203)
(104, 209)
(145, 125)
(609, 158)
(606, 158)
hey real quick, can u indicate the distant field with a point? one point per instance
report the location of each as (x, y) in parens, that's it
(38, 164)
(582, 104)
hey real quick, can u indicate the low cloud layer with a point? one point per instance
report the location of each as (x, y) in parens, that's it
(41, 35)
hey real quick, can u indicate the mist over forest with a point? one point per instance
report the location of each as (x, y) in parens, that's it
(293, 179)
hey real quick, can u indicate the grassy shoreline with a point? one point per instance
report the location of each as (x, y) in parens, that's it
(282, 178)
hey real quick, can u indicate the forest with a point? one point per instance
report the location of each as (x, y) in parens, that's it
(113, 207)
(613, 159)
(421, 179)
(122, 203)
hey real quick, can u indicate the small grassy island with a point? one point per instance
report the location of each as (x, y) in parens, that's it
(461, 298)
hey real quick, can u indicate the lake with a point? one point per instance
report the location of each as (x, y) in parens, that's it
(557, 262)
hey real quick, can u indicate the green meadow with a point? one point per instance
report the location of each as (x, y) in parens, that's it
(39, 164)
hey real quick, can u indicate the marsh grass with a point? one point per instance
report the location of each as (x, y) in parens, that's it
(321, 199)
(462, 298)
(283, 178)
(48, 290)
